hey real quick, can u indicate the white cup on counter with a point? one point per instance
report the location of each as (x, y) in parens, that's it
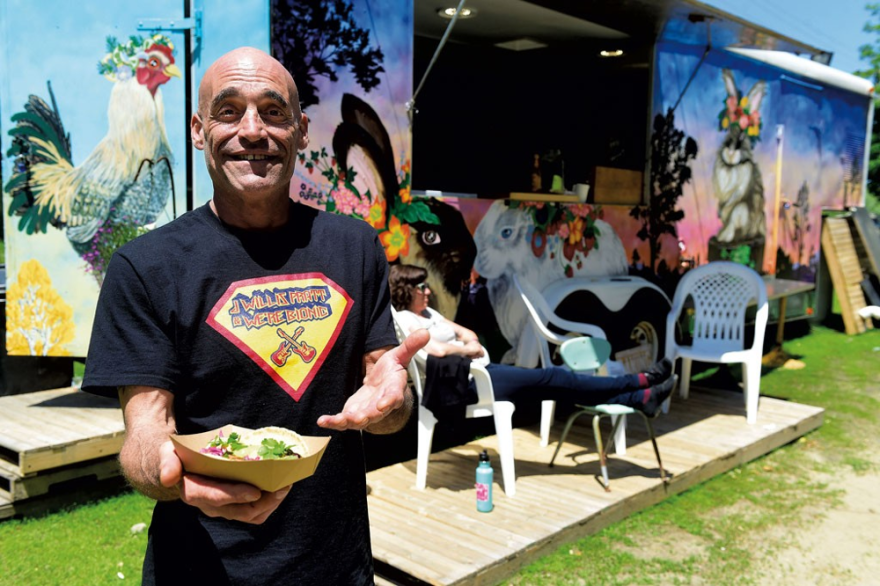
(582, 190)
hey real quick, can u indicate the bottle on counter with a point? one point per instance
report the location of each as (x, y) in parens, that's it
(536, 174)
(485, 476)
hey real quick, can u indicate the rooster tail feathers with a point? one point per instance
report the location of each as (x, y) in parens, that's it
(41, 121)
(42, 152)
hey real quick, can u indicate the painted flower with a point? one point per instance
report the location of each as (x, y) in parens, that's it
(539, 242)
(739, 112)
(395, 239)
(581, 210)
(563, 231)
(576, 230)
(405, 195)
(346, 200)
(376, 216)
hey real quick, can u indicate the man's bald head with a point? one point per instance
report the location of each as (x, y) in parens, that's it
(245, 59)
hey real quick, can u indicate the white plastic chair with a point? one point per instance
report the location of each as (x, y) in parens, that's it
(541, 316)
(501, 411)
(721, 292)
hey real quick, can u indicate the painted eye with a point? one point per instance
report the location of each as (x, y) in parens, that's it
(153, 63)
(506, 233)
(430, 237)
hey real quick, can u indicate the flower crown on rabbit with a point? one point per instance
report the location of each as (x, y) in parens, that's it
(737, 110)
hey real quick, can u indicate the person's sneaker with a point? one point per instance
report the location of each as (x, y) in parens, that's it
(658, 373)
(654, 397)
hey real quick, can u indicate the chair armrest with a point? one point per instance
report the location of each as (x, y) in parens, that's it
(483, 382)
(578, 327)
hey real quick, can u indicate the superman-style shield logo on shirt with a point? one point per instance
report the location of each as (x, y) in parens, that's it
(287, 324)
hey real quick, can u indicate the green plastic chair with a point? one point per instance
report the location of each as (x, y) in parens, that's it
(585, 353)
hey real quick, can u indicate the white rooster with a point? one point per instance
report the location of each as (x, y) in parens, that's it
(127, 178)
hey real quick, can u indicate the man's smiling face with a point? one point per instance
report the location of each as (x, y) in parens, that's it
(249, 124)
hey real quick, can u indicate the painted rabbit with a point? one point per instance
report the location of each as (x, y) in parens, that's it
(505, 249)
(446, 250)
(736, 177)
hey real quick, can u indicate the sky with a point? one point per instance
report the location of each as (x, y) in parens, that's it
(831, 25)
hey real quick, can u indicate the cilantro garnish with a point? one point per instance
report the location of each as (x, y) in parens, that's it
(273, 449)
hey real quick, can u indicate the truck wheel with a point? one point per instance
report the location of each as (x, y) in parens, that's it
(641, 321)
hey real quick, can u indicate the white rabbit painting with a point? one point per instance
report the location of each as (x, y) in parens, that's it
(504, 248)
(736, 178)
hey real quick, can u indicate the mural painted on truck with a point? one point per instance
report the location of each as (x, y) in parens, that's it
(732, 107)
(354, 88)
(352, 62)
(89, 161)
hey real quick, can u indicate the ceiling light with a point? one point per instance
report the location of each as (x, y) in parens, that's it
(611, 53)
(523, 44)
(450, 12)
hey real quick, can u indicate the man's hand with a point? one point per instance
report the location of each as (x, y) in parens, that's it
(151, 465)
(217, 498)
(384, 402)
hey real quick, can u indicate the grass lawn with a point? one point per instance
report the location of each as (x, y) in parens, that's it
(705, 535)
(708, 534)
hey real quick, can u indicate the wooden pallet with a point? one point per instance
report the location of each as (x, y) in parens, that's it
(15, 487)
(51, 429)
(845, 268)
(56, 500)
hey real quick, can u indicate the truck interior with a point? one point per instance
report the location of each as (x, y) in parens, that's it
(521, 79)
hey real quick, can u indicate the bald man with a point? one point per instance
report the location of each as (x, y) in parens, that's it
(192, 331)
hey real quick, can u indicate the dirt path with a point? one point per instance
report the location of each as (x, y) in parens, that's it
(835, 546)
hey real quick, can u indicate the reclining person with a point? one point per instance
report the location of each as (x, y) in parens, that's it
(643, 391)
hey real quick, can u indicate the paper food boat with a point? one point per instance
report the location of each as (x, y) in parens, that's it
(268, 475)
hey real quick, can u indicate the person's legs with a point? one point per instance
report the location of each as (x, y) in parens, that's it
(512, 383)
(557, 383)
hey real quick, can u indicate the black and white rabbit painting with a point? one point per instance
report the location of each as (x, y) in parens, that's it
(445, 249)
(736, 177)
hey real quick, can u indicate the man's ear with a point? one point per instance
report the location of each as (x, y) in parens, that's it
(196, 132)
(303, 132)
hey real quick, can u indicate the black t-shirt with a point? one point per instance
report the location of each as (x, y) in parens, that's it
(255, 330)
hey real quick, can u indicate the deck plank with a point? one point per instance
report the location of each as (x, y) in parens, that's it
(54, 428)
(436, 536)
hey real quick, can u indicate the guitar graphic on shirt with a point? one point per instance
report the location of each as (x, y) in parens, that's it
(290, 345)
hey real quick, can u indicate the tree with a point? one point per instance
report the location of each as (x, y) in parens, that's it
(39, 321)
(871, 54)
(314, 38)
(670, 152)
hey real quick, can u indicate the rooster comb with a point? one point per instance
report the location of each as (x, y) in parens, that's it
(121, 59)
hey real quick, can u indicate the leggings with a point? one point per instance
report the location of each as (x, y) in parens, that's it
(513, 383)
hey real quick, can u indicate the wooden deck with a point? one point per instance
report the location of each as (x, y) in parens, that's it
(436, 536)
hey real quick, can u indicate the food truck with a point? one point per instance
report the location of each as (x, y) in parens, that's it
(594, 149)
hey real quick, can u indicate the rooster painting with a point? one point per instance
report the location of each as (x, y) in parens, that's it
(124, 184)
